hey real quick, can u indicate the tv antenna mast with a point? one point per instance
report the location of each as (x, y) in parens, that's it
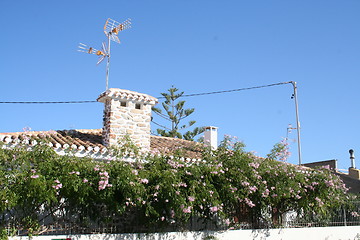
(111, 30)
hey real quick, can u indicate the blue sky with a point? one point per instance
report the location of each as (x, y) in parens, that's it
(198, 46)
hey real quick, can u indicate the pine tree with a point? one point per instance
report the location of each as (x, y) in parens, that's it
(175, 113)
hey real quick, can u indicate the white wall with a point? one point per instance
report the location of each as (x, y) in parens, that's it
(319, 233)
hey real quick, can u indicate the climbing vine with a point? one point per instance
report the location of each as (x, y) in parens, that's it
(161, 190)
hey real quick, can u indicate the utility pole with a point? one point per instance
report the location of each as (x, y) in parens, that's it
(297, 120)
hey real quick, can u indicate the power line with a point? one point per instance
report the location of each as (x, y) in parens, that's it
(160, 125)
(233, 90)
(186, 95)
(162, 115)
(50, 102)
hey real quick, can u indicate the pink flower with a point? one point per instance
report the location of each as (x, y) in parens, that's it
(355, 214)
(105, 174)
(102, 185)
(252, 189)
(58, 186)
(191, 199)
(187, 210)
(329, 183)
(319, 201)
(249, 203)
(214, 209)
(245, 184)
(35, 176)
(144, 180)
(254, 165)
(233, 189)
(85, 180)
(265, 193)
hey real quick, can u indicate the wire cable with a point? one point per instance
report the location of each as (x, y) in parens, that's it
(51, 102)
(160, 125)
(233, 90)
(162, 115)
(186, 95)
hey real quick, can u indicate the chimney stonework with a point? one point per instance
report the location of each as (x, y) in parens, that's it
(126, 113)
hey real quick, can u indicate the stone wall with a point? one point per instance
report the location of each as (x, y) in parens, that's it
(127, 113)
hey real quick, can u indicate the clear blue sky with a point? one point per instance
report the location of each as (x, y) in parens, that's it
(198, 46)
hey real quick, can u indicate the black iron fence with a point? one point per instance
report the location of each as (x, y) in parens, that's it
(73, 222)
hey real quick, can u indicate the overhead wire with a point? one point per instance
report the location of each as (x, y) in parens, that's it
(162, 115)
(159, 125)
(233, 90)
(185, 95)
(48, 102)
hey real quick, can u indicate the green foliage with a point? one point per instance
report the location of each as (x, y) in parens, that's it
(161, 191)
(175, 113)
(3, 234)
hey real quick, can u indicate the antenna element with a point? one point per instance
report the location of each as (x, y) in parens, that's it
(111, 30)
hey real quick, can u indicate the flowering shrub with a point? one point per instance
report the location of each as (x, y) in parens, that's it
(228, 185)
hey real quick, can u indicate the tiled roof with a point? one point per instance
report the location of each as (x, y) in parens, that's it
(89, 142)
(188, 149)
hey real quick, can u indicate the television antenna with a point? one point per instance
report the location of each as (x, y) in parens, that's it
(111, 30)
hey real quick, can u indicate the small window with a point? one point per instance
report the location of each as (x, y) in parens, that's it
(137, 106)
(123, 103)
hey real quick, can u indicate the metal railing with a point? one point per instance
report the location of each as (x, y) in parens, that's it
(130, 222)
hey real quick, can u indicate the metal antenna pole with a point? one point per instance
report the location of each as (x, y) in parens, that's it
(111, 30)
(297, 120)
(108, 63)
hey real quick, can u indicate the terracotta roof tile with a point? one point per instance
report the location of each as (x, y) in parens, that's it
(170, 145)
(91, 139)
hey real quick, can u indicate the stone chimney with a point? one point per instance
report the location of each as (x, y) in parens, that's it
(210, 137)
(126, 113)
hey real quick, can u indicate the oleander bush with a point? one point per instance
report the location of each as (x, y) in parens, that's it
(227, 186)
